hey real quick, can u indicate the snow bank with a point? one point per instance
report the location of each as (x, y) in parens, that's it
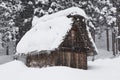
(48, 31)
(107, 69)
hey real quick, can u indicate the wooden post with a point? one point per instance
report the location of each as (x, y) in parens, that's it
(107, 34)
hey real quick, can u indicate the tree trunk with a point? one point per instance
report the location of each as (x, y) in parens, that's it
(116, 46)
(7, 50)
(113, 43)
(118, 21)
(107, 34)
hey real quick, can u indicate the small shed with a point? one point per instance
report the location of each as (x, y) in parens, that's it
(59, 39)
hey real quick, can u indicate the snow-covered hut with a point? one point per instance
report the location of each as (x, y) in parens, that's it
(59, 39)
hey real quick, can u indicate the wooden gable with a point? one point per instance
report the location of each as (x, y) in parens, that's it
(77, 38)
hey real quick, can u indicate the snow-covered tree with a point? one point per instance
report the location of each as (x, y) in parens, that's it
(19, 13)
(8, 11)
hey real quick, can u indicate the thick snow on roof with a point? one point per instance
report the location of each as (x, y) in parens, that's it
(48, 31)
(72, 11)
(45, 35)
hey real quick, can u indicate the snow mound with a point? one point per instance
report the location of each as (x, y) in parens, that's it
(107, 69)
(48, 31)
(13, 64)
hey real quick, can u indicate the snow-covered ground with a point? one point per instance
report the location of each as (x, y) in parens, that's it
(6, 58)
(107, 69)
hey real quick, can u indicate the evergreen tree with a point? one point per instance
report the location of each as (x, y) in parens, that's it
(19, 13)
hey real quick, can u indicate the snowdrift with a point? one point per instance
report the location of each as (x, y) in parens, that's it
(107, 69)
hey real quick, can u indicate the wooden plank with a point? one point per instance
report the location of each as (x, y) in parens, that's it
(68, 59)
(76, 60)
(82, 60)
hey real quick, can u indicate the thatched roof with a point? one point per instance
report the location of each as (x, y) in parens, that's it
(49, 31)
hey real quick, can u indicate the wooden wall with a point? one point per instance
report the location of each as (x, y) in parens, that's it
(74, 60)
